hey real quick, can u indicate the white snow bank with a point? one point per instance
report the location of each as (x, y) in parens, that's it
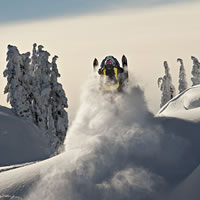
(17, 182)
(184, 106)
(188, 189)
(20, 141)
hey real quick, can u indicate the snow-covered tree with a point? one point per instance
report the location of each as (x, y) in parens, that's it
(34, 92)
(58, 103)
(42, 88)
(49, 97)
(182, 77)
(34, 58)
(195, 71)
(18, 82)
(166, 86)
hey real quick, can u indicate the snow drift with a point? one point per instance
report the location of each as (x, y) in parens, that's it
(189, 188)
(20, 141)
(115, 149)
(186, 105)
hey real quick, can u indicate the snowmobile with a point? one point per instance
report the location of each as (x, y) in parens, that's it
(113, 77)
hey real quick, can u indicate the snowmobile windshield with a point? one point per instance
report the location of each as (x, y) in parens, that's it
(110, 61)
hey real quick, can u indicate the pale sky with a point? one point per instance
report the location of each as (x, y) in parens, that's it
(146, 36)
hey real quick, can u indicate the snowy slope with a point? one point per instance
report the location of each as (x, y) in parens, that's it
(115, 149)
(184, 106)
(17, 182)
(189, 188)
(20, 141)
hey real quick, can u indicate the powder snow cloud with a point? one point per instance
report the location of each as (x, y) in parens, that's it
(119, 151)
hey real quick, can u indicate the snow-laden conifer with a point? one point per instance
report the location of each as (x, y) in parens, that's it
(195, 71)
(58, 103)
(18, 82)
(166, 86)
(34, 91)
(42, 88)
(182, 77)
(34, 58)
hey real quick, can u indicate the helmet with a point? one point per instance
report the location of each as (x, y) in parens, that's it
(109, 61)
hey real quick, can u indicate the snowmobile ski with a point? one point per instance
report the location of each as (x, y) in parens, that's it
(95, 64)
(124, 61)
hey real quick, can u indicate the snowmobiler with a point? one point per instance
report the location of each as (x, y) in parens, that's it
(113, 77)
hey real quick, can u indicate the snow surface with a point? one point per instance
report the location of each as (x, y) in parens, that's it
(188, 189)
(186, 105)
(115, 149)
(20, 140)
